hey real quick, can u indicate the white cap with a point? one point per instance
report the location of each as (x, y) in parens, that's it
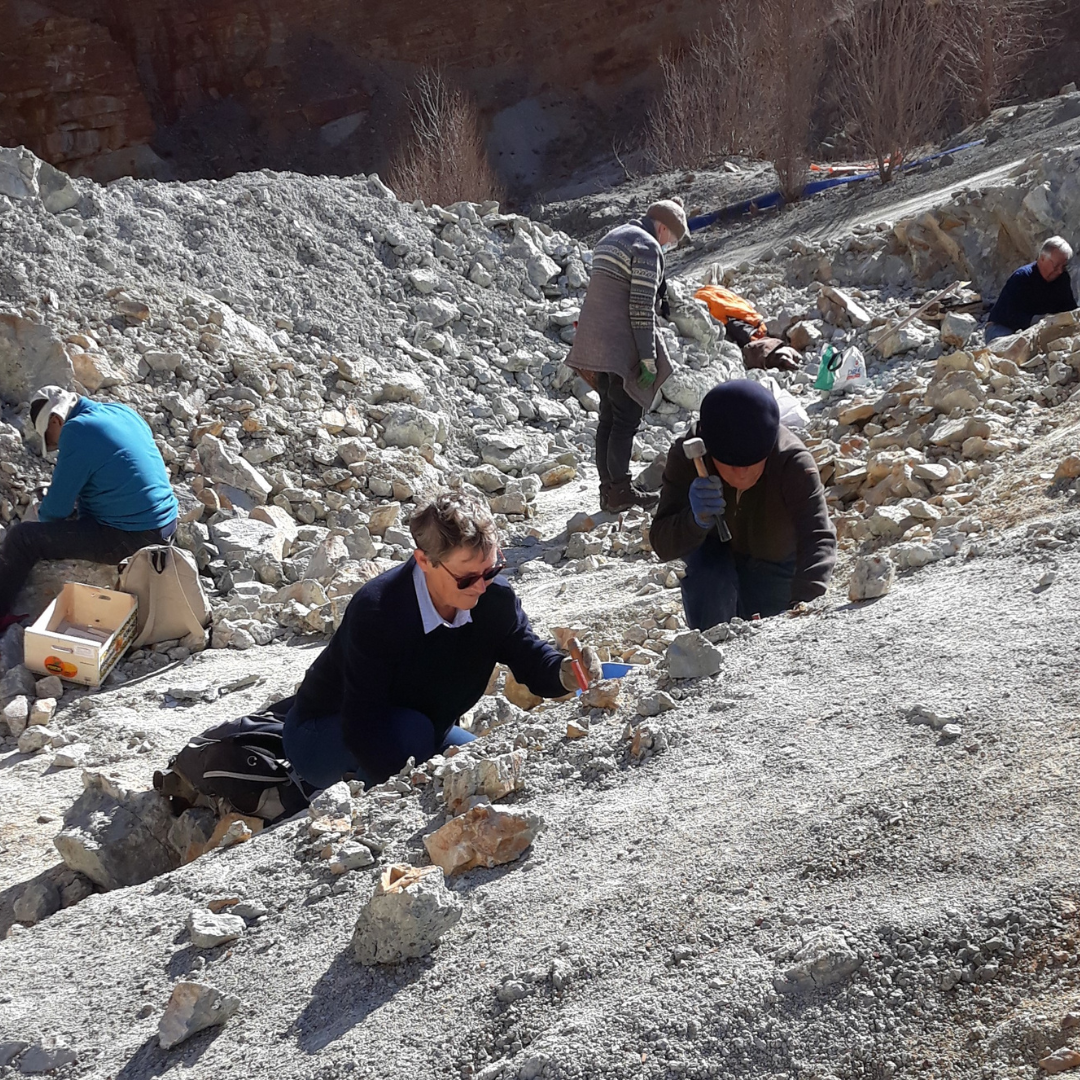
(57, 400)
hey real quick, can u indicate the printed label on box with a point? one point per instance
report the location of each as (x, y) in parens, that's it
(55, 666)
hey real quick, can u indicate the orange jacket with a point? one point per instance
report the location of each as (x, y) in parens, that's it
(723, 304)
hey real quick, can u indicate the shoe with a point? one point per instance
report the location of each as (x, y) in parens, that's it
(605, 490)
(622, 495)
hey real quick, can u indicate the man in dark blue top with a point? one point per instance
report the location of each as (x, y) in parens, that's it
(416, 650)
(109, 470)
(1040, 288)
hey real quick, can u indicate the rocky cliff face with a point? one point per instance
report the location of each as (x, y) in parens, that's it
(112, 87)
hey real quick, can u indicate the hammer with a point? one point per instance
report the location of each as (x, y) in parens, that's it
(694, 449)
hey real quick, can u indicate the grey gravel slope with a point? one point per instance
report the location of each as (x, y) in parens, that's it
(652, 930)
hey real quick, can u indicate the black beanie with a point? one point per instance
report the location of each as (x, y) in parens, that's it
(739, 422)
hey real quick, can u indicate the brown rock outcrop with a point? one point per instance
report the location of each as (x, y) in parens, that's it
(233, 84)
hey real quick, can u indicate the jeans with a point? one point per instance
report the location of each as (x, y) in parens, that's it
(721, 584)
(316, 749)
(76, 538)
(620, 416)
(995, 330)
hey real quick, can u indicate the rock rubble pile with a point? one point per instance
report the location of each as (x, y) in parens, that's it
(313, 356)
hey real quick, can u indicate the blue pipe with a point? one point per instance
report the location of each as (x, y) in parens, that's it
(774, 198)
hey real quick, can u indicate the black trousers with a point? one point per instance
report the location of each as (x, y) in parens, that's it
(78, 538)
(620, 416)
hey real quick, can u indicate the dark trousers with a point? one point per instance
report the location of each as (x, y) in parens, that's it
(316, 749)
(77, 538)
(620, 416)
(994, 331)
(721, 583)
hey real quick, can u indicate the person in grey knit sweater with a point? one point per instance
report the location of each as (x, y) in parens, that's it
(617, 349)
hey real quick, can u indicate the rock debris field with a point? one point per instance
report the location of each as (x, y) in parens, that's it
(835, 845)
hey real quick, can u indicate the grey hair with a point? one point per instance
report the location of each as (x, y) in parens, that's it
(1058, 244)
(453, 520)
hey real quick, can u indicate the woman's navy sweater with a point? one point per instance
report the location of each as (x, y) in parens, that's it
(380, 659)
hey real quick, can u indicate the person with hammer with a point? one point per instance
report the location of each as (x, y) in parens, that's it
(743, 504)
(416, 649)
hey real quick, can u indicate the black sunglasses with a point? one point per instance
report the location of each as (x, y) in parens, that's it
(466, 581)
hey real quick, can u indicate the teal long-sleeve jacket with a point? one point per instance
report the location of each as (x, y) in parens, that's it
(110, 469)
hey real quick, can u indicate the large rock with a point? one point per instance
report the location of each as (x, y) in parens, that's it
(840, 309)
(890, 522)
(246, 538)
(31, 355)
(687, 387)
(406, 916)
(209, 930)
(117, 837)
(541, 269)
(823, 960)
(46, 1056)
(408, 425)
(871, 577)
(465, 775)
(328, 557)
(436, 311)
(225, 466)
(955, 390)
(482, 836)
(956, 328)
(38, 900)
(512, 451)
(692, 656)
(24, 176)
(401, 386)
(193, 1007)
(18, 681)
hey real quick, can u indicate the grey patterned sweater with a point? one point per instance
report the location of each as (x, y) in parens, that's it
(617, 325)
(627, 255)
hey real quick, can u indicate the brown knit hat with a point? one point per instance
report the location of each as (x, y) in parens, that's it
(670, 212)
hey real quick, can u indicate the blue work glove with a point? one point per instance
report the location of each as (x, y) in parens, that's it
(707, 500)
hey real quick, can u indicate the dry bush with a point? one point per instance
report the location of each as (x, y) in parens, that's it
(705, 109)
(890, 76)
(789, 71)
(746, 85)
(444, 160)
(993, 43)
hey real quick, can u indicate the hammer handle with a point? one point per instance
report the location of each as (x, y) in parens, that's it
(577, 665)
(721, 525)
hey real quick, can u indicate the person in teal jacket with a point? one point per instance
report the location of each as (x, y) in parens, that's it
(110, 493)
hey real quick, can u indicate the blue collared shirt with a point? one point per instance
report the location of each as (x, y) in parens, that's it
(431, 619)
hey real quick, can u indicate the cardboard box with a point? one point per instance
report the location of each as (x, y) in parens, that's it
(81, 634)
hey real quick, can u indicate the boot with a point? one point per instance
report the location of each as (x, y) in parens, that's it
(622, 495)
(605, 489)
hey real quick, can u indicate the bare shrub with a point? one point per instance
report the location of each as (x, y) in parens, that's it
(706, 107)
(994, 41)
(789, 74)
(746, 85)
(891, 81)
(444, 159)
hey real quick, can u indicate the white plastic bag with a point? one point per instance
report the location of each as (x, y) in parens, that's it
(792, 414)
(852, 371)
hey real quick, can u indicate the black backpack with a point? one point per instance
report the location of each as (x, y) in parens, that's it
(241, 764)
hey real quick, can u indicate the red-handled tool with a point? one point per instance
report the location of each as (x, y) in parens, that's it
(574, 648)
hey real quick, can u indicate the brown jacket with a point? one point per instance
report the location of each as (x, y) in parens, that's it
(783, 516)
